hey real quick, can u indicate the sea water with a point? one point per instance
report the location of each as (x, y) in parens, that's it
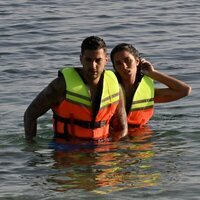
(37, 38)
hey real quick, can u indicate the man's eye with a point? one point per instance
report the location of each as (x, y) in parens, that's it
(98, 60)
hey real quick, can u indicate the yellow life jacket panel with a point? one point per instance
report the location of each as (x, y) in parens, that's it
(142, 104)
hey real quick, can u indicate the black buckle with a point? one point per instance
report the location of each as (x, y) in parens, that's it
(134, 125)
(91, 125)
(99, 124)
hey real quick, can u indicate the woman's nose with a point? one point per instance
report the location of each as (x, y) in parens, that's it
(124, 65)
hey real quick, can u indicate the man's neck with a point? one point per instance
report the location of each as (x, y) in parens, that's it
(92, 83)
(88, 81)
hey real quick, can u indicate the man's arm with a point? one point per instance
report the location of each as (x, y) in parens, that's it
(175, 90)
(118, 122)
(52, 94)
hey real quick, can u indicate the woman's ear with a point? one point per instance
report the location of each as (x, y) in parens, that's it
(107, 59)
(138, 61)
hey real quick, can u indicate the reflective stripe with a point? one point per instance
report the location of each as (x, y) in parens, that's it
(142, 101)
(142, 104)
(78, 96)
(80, 99)
(108, 100)
(142, 108)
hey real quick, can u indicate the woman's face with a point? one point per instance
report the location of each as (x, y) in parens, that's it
(125, 64)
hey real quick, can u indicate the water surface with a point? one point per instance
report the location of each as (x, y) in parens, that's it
(38, 38)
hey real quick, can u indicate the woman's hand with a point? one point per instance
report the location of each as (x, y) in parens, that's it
(146, 67)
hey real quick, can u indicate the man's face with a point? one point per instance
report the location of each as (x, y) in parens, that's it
(93, 62)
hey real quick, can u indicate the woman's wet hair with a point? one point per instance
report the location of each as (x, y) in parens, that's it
(124, 47)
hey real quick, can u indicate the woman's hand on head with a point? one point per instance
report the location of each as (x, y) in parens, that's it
(146, 67)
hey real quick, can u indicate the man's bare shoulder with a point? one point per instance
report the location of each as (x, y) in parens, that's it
(58, 84)
(56, 90)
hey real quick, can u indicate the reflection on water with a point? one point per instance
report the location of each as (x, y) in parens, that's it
(149, 163)
(104, 168)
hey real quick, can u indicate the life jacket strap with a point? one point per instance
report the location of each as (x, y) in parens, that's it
(65, 135)
(134, 125)
(82, 123)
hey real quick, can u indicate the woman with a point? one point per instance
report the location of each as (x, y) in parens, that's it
(136, 77)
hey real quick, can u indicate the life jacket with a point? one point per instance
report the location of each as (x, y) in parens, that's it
(142, 104)
(73, 117)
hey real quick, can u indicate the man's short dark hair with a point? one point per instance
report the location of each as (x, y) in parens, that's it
(93, 43)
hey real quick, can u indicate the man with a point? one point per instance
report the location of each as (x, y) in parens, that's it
(87, 103)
